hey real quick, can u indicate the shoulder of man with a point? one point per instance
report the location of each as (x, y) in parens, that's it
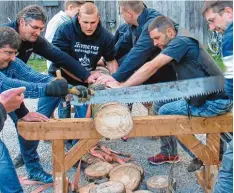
(227, 45)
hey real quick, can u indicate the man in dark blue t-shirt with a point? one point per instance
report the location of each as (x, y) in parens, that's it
(191, 61)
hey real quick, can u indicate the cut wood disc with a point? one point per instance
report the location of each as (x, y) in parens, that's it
(142, 191)
(159, 184)
(141, 170)
(129, 176)
(113, 120)
(129, 191)
(98, 170)
(109, 187)
(85, 189)
(90, 159)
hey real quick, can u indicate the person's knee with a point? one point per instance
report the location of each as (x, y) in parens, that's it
(156, 107)
(164, 110)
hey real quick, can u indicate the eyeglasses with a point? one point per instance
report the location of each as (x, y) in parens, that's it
(10, 53)
(36, 27)
(211, 20)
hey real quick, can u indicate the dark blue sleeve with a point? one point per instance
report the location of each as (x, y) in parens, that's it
(60, 58)
(62, 39)
(137, 57)
(109, 53)
(120, 31)
(176, 49)
(123, 42)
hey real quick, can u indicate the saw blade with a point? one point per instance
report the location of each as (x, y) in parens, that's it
(160, 92)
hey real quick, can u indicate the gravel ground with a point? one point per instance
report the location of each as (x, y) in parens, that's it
(140, 148)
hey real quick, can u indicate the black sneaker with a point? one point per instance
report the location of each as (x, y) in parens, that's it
(18, 161)
(194, 165)
(41, 176)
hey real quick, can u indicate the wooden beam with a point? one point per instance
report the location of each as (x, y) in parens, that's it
(77, 151)
(143, 126)
(213, 143)
(208, 154)
(201, 177)
(60, 181)
(201, 181)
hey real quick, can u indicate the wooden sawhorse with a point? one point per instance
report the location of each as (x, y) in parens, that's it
(179, 126)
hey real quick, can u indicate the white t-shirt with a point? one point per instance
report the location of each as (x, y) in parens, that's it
(53, 25)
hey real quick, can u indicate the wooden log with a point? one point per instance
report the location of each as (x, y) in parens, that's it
(129, 176)
(143, 127)
(85, 189)
(160, 184)
(111, 120)
(142, 191)
(139, 168)
(98, 170)
(90, 159)
(111, 186)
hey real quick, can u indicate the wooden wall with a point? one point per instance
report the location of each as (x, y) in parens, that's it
(186, 13)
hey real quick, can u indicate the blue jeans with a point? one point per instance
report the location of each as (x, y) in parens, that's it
(80, 111)
(228, 87)
(9, 182)
(64, 112)
(28, 148)
(225, 178)
(180, 107)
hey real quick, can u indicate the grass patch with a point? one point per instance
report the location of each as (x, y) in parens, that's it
(218, 61)
(38, 64)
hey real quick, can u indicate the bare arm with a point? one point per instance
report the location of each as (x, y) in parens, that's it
(147, 70)
(112, 66)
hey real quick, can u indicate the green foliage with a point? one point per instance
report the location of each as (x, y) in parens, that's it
(38, 65)
(218, 61)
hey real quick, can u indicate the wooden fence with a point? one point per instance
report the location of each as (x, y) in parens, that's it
(186, 13)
